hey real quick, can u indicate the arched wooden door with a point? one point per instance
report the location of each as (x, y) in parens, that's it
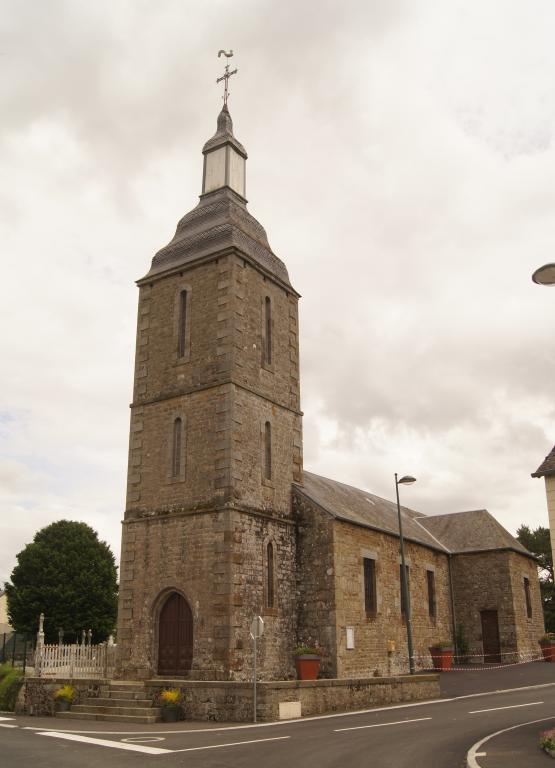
(175, 637)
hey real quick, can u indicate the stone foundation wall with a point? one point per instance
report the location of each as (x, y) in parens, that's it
(36, 696)
(228, 701)
(233, 702)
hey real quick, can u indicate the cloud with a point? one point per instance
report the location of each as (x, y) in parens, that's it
(401, 159)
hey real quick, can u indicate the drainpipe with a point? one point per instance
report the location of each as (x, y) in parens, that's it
(454, 622)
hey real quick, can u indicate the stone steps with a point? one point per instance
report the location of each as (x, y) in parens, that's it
(142, 719)
(89, 709)
(113, 702)
(119, 702)
(135, 695)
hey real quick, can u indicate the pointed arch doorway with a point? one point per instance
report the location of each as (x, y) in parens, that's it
(175, 636)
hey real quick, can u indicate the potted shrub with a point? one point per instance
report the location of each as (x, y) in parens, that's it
(307, 661)
(170, 699)
(547, 644)
(547, 742)
(64, 697)
(442, 655)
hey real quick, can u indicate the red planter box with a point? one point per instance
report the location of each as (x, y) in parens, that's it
(307, 667)
(442, 658)
(548, 651)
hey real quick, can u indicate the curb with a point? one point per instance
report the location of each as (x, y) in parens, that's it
(473, 753)
(329, 716)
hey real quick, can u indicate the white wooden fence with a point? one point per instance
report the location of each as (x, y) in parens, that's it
(75, 661)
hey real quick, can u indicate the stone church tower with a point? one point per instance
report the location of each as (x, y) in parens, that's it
(215, 444)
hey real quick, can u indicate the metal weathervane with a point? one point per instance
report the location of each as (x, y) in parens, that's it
(227, 74)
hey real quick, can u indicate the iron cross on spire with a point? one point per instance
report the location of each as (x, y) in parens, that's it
(227, 74)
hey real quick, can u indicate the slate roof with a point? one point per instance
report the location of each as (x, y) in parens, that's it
(219, 221)
(474, 531)
(343, 502)
(547, 467)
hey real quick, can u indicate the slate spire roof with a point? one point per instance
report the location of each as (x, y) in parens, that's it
(455, 533)
(547, 467)
(219, 222)
(224, 134)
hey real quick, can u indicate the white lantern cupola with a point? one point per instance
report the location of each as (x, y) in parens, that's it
(224, 159)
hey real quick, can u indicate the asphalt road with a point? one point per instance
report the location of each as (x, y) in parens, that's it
(416, 735)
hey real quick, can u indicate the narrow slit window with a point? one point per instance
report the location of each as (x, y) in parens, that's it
(370, 602)
(268, 330)
(527, 597)
(403, 596)
(268, 451)
(431, 594)
(270, 576)
(176, 449)
(181, 338)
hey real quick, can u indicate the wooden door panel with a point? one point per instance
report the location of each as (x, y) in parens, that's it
(490, 637)
(175, 637)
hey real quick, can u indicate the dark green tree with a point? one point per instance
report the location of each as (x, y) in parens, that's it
(538, 542)
(70, 576)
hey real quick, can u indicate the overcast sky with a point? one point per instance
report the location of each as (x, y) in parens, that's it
(402, 161)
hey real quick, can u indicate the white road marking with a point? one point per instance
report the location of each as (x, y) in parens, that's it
(7, 725)
(106, 743)
(231, 744)
(513, 706)
(7, 718)
(380, 725)
(307, 719)
(473, 753)
(144, 739)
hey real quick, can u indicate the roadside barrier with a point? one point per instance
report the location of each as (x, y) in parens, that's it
(513, 658)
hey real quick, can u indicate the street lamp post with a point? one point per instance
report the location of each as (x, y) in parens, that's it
(405, 480)
(545, 275)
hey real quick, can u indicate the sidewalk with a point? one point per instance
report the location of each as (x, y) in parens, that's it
(516, 748)
(482, 679)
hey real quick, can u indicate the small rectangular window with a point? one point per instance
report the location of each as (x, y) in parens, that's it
(527, 597)
(430, 575)
(370, 601)
(403, 598)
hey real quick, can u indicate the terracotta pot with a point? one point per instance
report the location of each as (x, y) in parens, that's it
(442, 658)
(170, 714)
(63, 705)
(548, 651)
(307, 667)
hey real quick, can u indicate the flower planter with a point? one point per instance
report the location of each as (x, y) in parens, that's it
(442, 659)
(170, 714)
(307, 667)
(548, 651)
(63, 705)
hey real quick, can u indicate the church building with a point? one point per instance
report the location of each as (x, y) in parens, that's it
(222, 523)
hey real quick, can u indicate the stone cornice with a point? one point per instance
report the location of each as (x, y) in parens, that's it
(163, 513)
(203, 387)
